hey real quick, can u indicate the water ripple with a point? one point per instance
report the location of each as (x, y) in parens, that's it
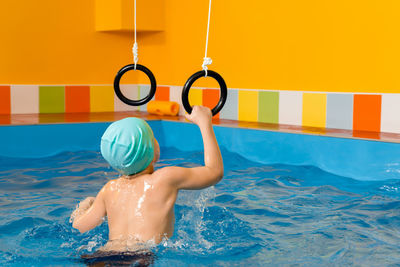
(260, 215)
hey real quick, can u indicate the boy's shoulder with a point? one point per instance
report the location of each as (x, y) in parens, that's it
(165, 172)
(170, 175)
(110, 185)
(163, 175)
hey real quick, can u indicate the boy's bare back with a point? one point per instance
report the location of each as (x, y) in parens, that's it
(140, 208)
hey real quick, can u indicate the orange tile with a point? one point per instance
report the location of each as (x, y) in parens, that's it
(367, 113)
(211, 98)
(77, 99)
(5, 100)
(77, 117)
(162, 93)
(367, 135)
(5, 119)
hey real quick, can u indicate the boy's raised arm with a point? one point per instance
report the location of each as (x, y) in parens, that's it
(213, 171)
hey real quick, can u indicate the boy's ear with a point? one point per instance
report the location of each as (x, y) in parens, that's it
(156, 151)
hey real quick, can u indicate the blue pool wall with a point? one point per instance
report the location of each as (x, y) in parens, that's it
(354, 158)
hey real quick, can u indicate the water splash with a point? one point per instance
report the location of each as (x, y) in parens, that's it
(390, 188)
(89, 247)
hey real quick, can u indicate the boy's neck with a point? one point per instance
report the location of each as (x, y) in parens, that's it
(148, 170)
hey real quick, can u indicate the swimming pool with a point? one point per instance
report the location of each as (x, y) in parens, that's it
(281, 201)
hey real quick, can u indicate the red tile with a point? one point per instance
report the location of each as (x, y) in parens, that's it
(367, 113)
(5, 100)
(77, 99)
(162, 93)
(211, 98)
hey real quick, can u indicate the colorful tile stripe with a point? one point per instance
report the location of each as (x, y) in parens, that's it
(51, 99)
(24, 99)
(101, 98)
(290, 107)
(230, 110)
(268, 103)
(349, 111)
(314, 110)
(196, 97)
(143, 92)
(210, 99)
(248, 105)
(339, 111)
(77, 99)
(390, 113)
(175, 94)
(162, 93)
(131, 91)
(5, 100)
(367, 113)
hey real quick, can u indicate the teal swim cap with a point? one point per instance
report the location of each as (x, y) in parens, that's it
(128, 145)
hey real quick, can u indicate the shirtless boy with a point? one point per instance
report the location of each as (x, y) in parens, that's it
(139, 204)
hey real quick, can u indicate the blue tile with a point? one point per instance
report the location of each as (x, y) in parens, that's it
(339, 111)
(143, 92)
(230, 110)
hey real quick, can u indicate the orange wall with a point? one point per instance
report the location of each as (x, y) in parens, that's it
(54, 42)
(320, 45)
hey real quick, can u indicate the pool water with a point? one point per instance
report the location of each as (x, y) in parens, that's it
(257, 215)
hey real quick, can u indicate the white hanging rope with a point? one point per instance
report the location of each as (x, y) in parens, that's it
(207, 60)
(135, 45)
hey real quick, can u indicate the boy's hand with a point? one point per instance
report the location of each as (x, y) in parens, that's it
(82, 207)
(89, 213)
(86, 203)
(200, 115)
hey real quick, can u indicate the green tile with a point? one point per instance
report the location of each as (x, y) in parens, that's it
(268, 107)
(51, 99)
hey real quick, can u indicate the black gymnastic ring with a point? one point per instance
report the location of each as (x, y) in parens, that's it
(126, 100)
(193, 78)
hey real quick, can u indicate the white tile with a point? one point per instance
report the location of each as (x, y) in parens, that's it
(290, 107)
(175, 95)
(390, 116)
(24, 99)
(131, 92)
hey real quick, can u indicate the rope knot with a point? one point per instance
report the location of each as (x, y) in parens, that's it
(135, 53)
(206, 61)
